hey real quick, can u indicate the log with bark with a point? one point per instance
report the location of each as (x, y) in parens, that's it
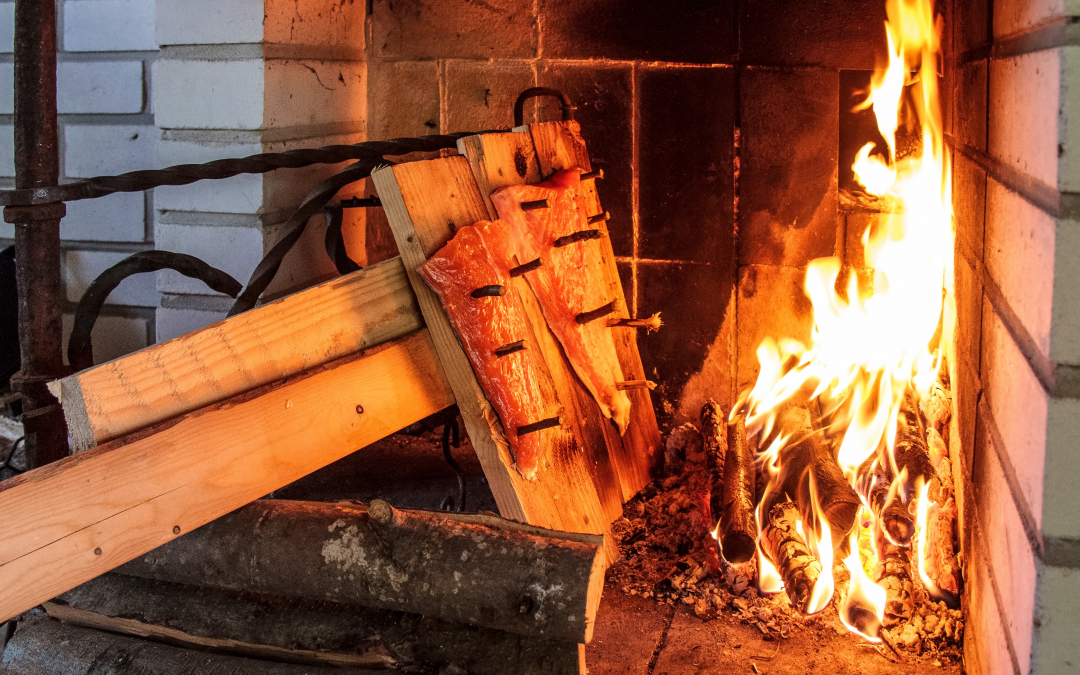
(738, 522)
(806, 456)
(911, 460)
(894, 575)
(714, 435)
(942, 565)
(43, 646)
(474, 569)
(303, 631)
(785, 547)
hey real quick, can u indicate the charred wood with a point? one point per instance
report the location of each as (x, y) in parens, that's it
(738, 523)
(894, 575)
(474, 569)
(889, 507)
(809, 456)
(798, 567)
(911, 461)
(942, 565)
(303, 631)
(714, 436)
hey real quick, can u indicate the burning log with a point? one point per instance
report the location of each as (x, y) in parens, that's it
(889, 507)
(894, 575)
(473, 569)
(302, 631)
(785, 547)
(891, 504)
(714, 433)
(738, 524)
(942, 564)
(811, 456)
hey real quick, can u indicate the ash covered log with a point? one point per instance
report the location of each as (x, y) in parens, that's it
(942, 564)
(894, 575)
(798, 567)
(303, 631)
(714, 435)
(738, 523)
(808, 456)
(43, 646)
(474, 569)
(892, 505)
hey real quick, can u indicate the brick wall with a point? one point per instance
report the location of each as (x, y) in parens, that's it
(107, 50)
(1013, 82)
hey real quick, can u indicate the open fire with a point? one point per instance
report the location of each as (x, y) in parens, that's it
(849, 428)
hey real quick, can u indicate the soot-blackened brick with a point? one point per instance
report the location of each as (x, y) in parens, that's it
(685, 171)
(603, 95)
(426, 29)
(787, 182)
(971, 24)
(857, 127)
(828, 33)
(692, 299)
(971, 106)
(690, 31)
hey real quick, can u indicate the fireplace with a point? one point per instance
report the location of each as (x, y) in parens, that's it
(726, 132)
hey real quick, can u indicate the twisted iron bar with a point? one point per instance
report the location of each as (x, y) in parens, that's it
(184, 174)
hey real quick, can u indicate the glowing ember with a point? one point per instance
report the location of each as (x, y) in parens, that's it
(876, 349)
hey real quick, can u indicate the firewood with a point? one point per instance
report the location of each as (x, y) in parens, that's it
(714, 433)
(808, 455)
(894, 575)
(738, 524)
(304, 631)
(912, 460)
(888, 505)
(798, 567)
(44, 646)
(180, 475)
(943, 566)
(473, 569)
(911, 453)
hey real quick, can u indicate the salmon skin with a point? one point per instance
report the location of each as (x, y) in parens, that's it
(470, 274)
(569, 284)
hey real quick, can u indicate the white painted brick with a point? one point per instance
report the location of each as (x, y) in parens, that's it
(101, 150)
(1010, 554)
(1056, 648)
(1014, 16)
(234, 250)
(117, 217)
(7, 27)
(7, 151)
(1065, 330)
(1019, 248)
(109, 25)
(99, 86)
(219, 22)
(172, 323)
(316, 23)
(1024, 95)
(208, 94)
(1062, 492)
(7, 88)
(1018, 404)
(82, 267)
(112, 337)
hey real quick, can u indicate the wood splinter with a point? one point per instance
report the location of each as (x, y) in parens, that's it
(738, 523)
(788, 551)
(651, 324)
(535, 205)
(493, 291)
(598, 313)
(635, 384)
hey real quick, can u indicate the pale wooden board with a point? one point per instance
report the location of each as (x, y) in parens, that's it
(559, 146)
(498, 160)
(70, 521)
(425, 202)
(275, 341)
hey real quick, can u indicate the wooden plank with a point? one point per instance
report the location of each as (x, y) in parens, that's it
(270, 343)
(70, 521)
(425, 203)
(498, 160)
(559, 146)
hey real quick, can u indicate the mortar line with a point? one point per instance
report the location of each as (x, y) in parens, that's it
(635, 116)
(661, 643)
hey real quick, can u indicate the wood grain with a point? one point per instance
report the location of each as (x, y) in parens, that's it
(425, 203)
(272, 342)
(494, 159)
(70, 521)
(560, 146)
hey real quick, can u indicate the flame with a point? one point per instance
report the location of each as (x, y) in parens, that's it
(876, 336)
(769, 581)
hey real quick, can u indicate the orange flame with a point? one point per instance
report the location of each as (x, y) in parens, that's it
(871, 343)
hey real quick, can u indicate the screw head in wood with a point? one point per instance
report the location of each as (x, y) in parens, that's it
(359, 410)
(176, 529)
(97, 551)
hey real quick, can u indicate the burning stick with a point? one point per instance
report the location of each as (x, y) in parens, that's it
(785, 547)
(738, 524)
(714, 433)
(652, 324)
(894, 576)
(810, 455)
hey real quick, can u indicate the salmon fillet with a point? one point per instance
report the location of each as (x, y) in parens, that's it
(569, 282)
(517, 383)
